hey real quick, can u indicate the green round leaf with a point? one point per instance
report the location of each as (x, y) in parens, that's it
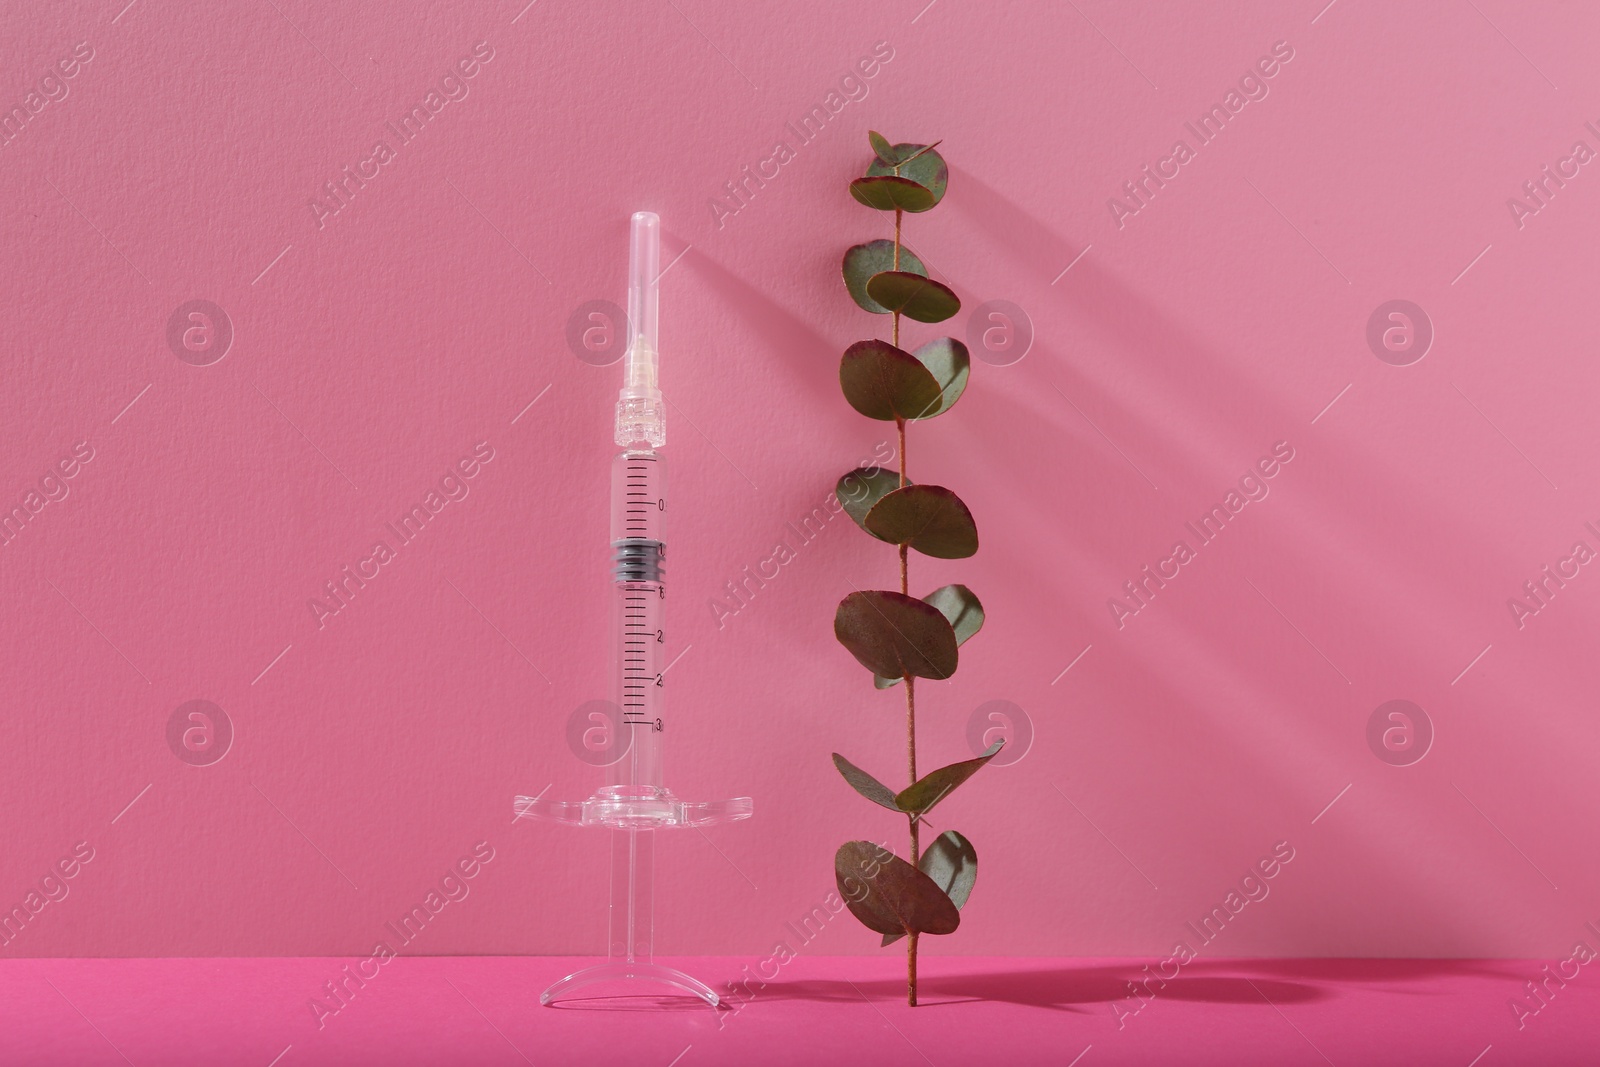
(929, 518)
(861, 262)
(889, 895)
(913, 295)
(862, 488)
(881, 147)
(952, 863)
(896, 636)
(885, 382)
(959, 605)
(887, 192)
(948, 362)
(923, 165)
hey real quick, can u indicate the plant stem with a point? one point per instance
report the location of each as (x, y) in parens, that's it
(911, 970)
(900, 425)
(911, 689)
(911, 760)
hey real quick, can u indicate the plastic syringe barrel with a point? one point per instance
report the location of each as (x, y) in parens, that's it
(638, 544)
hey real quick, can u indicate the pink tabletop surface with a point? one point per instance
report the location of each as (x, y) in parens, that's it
(814, 1009)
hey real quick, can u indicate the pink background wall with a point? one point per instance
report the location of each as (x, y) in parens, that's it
(374, 347)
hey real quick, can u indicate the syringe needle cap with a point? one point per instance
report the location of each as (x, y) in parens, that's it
(639, 406)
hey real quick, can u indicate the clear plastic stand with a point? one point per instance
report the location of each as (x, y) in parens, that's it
(635, 803)
(630, 945)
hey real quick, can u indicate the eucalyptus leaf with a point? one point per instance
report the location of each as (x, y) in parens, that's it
(960, 606)
(919, 797)
(913, 295)
(895, 635)
(886, 192)
(882, 148)
(861, 262)
(947, 360)
(919, 163)
(885, 382)
(865, 784)
(952, 863)
(929, 518)
(889, 895)
(862, 488)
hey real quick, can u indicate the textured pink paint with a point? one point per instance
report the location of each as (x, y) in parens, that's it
(377, 346)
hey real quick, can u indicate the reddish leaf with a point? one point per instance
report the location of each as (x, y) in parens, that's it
(889, 895)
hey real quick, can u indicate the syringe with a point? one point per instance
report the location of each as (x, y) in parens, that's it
(638, 517)
(635, 802)
(635, 797)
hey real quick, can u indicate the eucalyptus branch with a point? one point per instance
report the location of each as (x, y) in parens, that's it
(896, 636)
